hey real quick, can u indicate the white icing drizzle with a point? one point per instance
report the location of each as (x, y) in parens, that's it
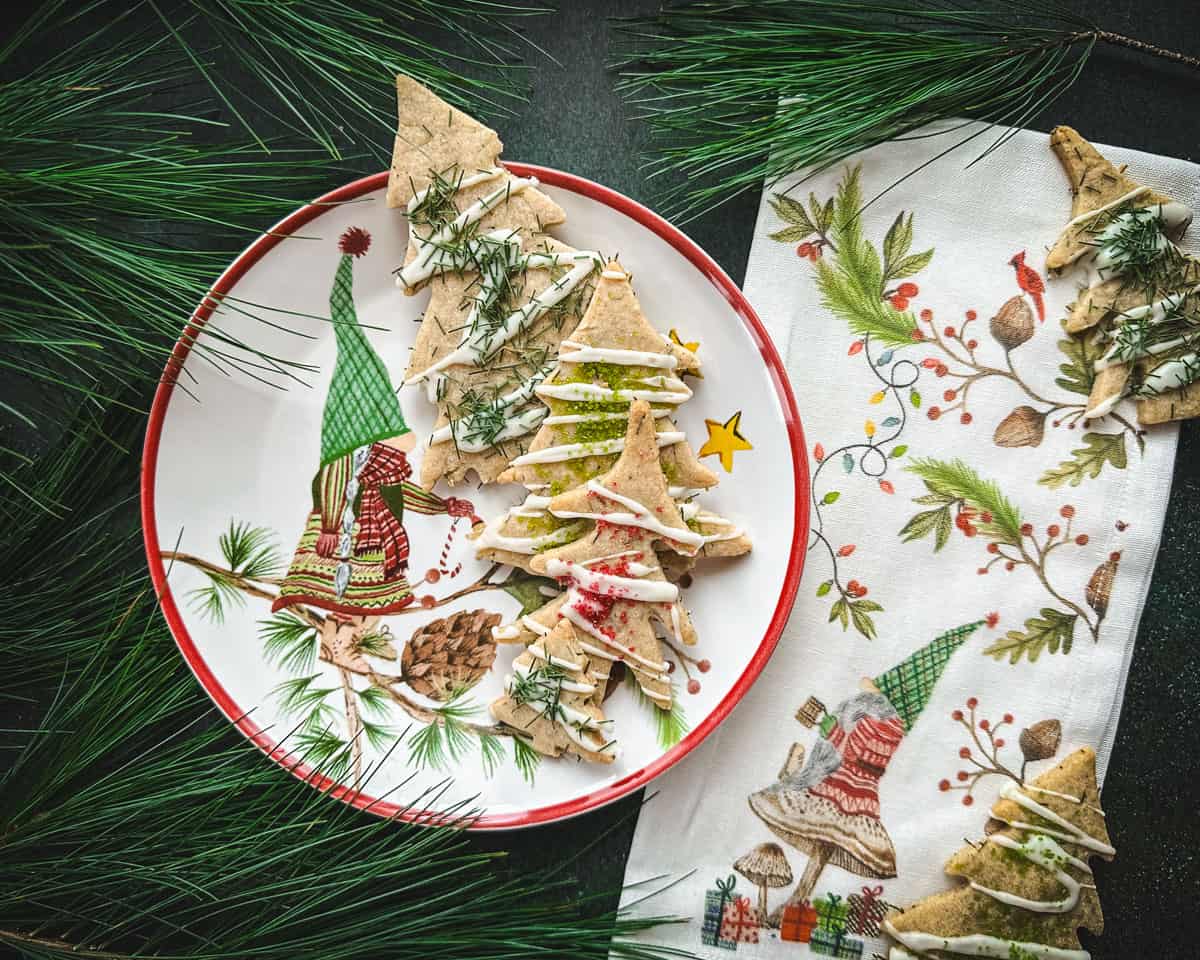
(572, 352)
(691, 512)
(684, 493)
(1109, 261)
(612, 585)
(1105, 406)
(594, 448)
(533, 506)
(534, 626)
(981, 945)
(571, 686)
(610, 274)
(569, 720)
(637, 663)
(509, 631)
(1172, 374)
(481, 341)
(638, 516)
(1063, 796)
(492, 539)
(1068, 832)
(515, 425)
(593, 392)
(1126, 346)
(462, 183)
(540, 652)
(1042, 850)
(1111, 205)
(435, 251)
(563, 419)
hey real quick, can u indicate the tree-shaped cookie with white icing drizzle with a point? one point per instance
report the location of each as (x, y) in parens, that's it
(550, 698)
(614, 357)
(616, 592)
(504, 293)
(1143, 291)
(1029, 888)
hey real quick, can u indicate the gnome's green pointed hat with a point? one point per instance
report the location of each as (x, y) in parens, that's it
(910, 682)
(361, 406)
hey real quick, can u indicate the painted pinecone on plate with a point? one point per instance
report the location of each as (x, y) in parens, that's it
(450, 654)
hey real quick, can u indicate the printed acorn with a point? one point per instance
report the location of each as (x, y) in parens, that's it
(765, 866)
(1099, 587)
(450, 654)
(1039, 741)
(1013, 323)
(1024, 427)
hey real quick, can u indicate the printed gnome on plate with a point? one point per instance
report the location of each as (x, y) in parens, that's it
(504, 292)
(616, 591)
(613, 358)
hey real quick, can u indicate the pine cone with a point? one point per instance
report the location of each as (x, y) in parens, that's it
(1040, 740)
(1013, 323)
(450, 654)
(1099, 587)
(1024, 427)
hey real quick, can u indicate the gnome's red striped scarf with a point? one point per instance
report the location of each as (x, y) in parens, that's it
(378, 527)
(866, 750)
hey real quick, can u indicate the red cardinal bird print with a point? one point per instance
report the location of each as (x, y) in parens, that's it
(1030, 281)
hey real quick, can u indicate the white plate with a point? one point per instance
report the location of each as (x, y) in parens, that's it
(224, 448)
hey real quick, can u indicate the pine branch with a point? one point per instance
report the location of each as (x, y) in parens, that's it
(958, 480)
(735, 94)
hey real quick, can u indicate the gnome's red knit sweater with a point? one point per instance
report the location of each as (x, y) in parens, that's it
(866, 749)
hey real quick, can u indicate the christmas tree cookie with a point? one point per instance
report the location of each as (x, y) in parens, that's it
(1029, 887)
(550, 697)
(1144, 296)
(504, 293)
(612, 358)
(616, 592)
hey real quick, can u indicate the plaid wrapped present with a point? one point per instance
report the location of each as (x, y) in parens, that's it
(798, 922)
(866, 911)
(715, 902)
(739, 922)
(831, 913)
(835, 945)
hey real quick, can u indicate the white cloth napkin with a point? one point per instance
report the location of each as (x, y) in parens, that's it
(700, 822)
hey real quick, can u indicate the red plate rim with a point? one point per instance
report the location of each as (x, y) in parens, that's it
(611, 792)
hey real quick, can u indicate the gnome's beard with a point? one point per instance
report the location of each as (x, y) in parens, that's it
(874, 705)
(825, 757)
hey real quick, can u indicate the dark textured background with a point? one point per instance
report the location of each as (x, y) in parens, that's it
(574, 121)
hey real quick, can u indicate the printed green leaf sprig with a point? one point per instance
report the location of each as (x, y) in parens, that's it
(859, 285)
(869, 289)
(735, 94)
(961, 499)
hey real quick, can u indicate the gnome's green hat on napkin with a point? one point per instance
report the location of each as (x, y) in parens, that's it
(361, 406)
(909, 683)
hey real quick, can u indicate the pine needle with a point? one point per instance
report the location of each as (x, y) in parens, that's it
(739, 93)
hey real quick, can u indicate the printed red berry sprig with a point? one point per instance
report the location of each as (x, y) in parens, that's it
(854, 287)
(961, 499)
(1040, 741)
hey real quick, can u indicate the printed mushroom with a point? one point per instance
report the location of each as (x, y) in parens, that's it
(765, 866)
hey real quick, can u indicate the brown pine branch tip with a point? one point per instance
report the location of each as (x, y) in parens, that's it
(337, 648)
